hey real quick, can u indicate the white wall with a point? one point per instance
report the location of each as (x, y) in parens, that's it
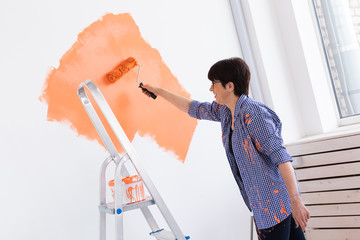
(49, 176)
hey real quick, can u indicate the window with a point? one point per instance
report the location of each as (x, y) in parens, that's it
(339, 25)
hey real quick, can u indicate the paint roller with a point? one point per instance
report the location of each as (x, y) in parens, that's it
(124, 67)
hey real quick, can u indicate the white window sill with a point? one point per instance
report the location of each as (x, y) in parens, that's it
(350, 120)
(342, 131)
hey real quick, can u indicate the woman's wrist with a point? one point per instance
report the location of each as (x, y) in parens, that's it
(158, 91)
(294, 197)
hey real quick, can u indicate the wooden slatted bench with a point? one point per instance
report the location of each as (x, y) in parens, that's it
(328, 171)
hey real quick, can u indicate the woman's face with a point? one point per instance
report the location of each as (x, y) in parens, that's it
(219, 91)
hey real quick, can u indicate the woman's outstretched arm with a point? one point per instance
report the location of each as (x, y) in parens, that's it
(178, 101)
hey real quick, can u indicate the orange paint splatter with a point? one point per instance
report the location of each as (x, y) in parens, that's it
(278, 221)
(283, 209)
(276, 191)
(247, 119)
(257, 191)
(135, 194)
(99, 48)
(258, 146)
(249, 151)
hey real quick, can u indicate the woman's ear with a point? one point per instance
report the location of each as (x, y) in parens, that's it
(230, 86)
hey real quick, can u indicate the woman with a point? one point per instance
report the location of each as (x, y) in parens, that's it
(251, 134)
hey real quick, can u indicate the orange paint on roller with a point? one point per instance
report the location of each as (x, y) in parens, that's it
(120, 70)
(124, 67)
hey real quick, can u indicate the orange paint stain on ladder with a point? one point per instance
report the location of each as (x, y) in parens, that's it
(98, 49)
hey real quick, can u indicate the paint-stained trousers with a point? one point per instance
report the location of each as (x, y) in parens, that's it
(285, 230)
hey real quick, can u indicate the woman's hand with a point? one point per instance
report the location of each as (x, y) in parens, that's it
(299, 212)
(151, 89)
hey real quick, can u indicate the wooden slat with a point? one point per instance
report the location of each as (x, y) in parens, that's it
(333, 234)
(334, 210)
(327, 158)
(328, 171)
(334, 222)
(330, 184)
(324, 166)
(350, 196)
(324, 145)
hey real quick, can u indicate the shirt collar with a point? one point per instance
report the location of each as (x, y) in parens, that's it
(240, 101)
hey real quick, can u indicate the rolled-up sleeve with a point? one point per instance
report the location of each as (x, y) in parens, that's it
(205, 110)
(264, 128)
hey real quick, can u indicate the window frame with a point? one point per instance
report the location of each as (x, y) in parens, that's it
(342, 121)
(257, 44)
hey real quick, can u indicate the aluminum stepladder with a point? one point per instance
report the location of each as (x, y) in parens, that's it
(117, 208)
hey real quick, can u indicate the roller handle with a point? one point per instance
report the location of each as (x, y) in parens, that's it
(147, 92)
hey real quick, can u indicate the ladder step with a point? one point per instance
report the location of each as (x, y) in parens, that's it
(110, 209)
(164, 235)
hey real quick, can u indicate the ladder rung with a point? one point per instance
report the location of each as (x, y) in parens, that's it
(164, 235)
(109, 207)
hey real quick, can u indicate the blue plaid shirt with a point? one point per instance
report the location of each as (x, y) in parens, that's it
(258, 149)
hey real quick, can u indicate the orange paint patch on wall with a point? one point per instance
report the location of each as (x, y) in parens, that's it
(98, 49)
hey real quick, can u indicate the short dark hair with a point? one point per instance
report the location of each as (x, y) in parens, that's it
(232, 70)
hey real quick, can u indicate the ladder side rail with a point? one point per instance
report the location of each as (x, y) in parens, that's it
(90, 110)
(111, 148)
(118, 204)
(124, 141)
(145, 210)
(103, 179)
(96, 121)
(103, 197)
(150, 219)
